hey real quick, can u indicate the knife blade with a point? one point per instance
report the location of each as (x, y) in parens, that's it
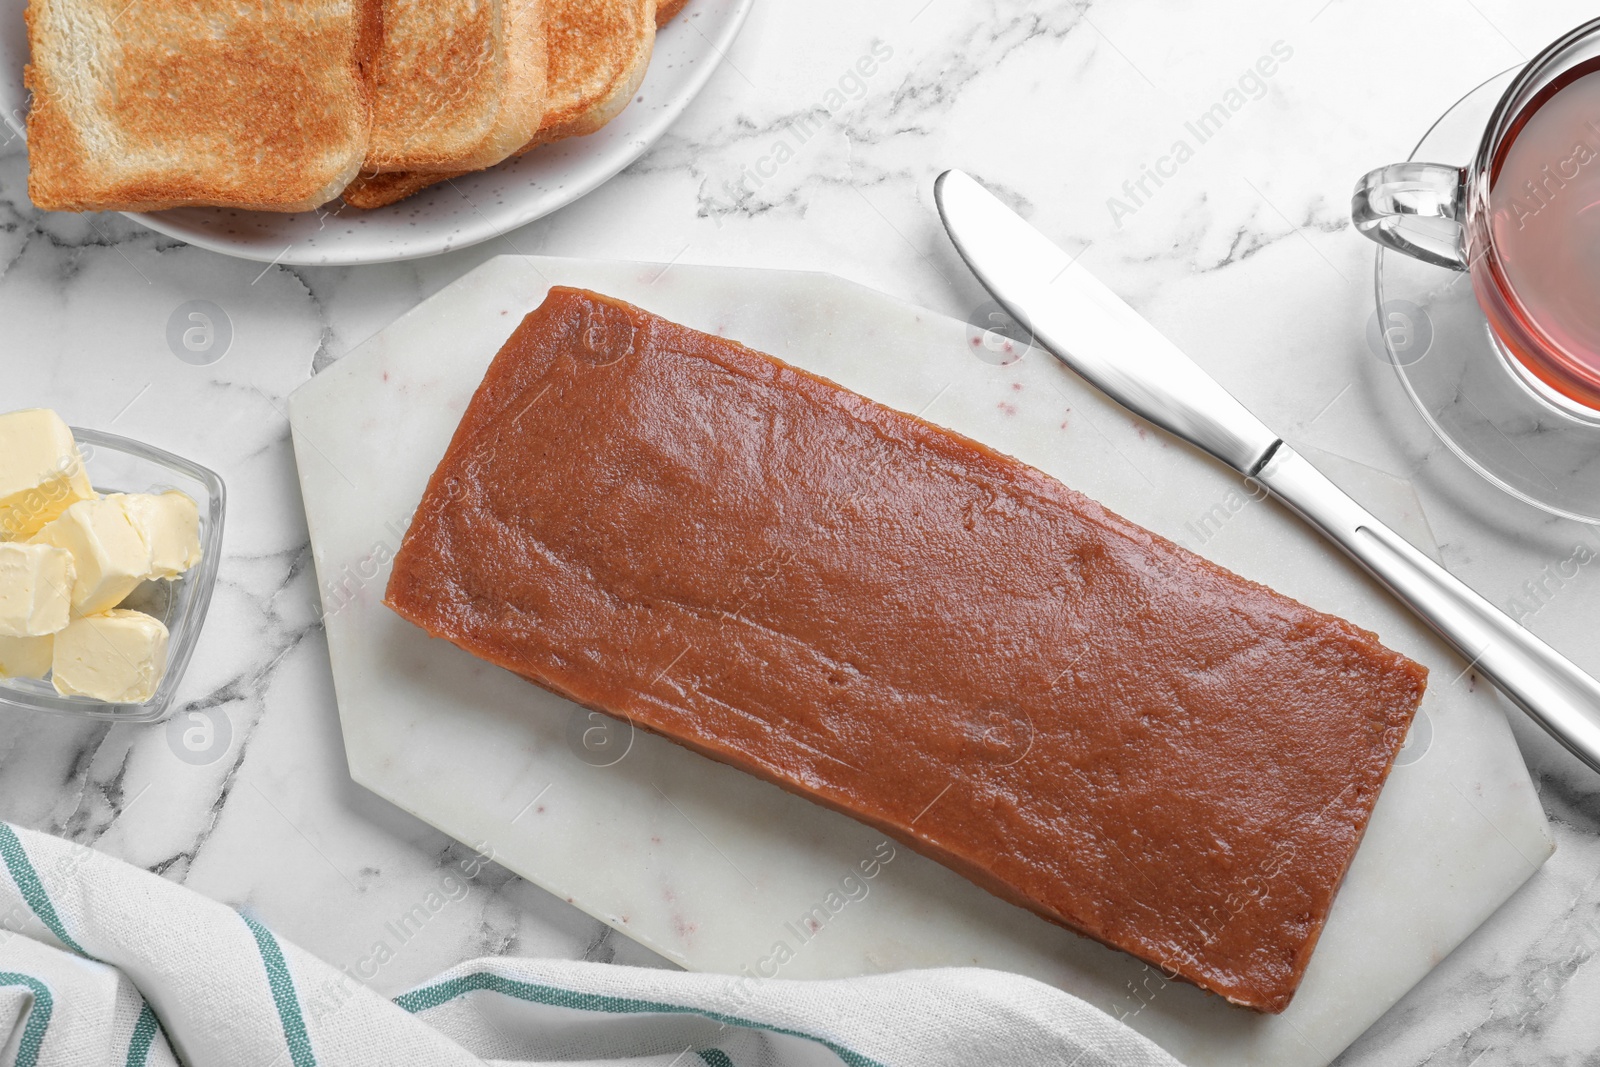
(1088, 327)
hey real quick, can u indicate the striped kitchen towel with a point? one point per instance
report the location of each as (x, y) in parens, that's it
(103, 963)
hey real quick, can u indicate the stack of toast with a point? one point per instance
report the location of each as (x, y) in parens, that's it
(285, 107)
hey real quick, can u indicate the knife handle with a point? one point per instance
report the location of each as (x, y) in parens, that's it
(1538, 679)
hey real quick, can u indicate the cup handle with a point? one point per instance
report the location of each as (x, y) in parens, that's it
(1415, 208)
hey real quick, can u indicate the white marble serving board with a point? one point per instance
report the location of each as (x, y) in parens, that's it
(712, 868)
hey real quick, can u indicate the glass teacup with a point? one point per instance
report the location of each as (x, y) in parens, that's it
(1523, 217)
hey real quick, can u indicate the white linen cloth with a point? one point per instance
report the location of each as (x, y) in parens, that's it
(103, 963)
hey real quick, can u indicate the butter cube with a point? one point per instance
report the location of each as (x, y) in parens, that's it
(118, 656)
(35, 589)
(26, 657)
(41, 472)
(170, 525)
(110, 553)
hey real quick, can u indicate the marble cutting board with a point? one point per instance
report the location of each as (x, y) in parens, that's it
(718, 871)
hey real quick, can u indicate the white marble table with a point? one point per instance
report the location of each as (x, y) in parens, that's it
(1244, 256)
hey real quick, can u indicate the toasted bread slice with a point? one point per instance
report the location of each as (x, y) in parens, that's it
(598, 53)
(457, 84)
(157, 104)
(380, 190)
(666, 9)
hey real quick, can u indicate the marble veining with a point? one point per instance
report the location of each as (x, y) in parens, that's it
(1244, 258)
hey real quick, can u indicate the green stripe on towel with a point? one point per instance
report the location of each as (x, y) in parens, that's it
(715, 1057)
(283, 995)
(419, 1000)
(32, 889)
(38, 1015)
(144, 1032)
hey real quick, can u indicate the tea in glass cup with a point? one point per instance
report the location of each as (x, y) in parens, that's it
(1523, 217)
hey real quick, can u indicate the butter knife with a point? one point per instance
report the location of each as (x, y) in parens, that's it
(1091, 330)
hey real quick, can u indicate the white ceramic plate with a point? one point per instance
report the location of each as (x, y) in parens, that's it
(452, 215)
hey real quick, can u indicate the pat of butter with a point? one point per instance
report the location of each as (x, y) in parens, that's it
(35, 589)
(170, 524)
(26, 657)
(41, 472)
(118, 656)
(111, 554)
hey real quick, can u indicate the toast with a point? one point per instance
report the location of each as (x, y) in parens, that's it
(666, 9)
(380, 190)
(598, 51)
(456, 84)
(130, 112)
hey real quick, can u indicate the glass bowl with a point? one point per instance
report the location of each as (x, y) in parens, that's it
(119, 465)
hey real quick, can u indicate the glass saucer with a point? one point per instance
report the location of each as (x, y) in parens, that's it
(1428, 324)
